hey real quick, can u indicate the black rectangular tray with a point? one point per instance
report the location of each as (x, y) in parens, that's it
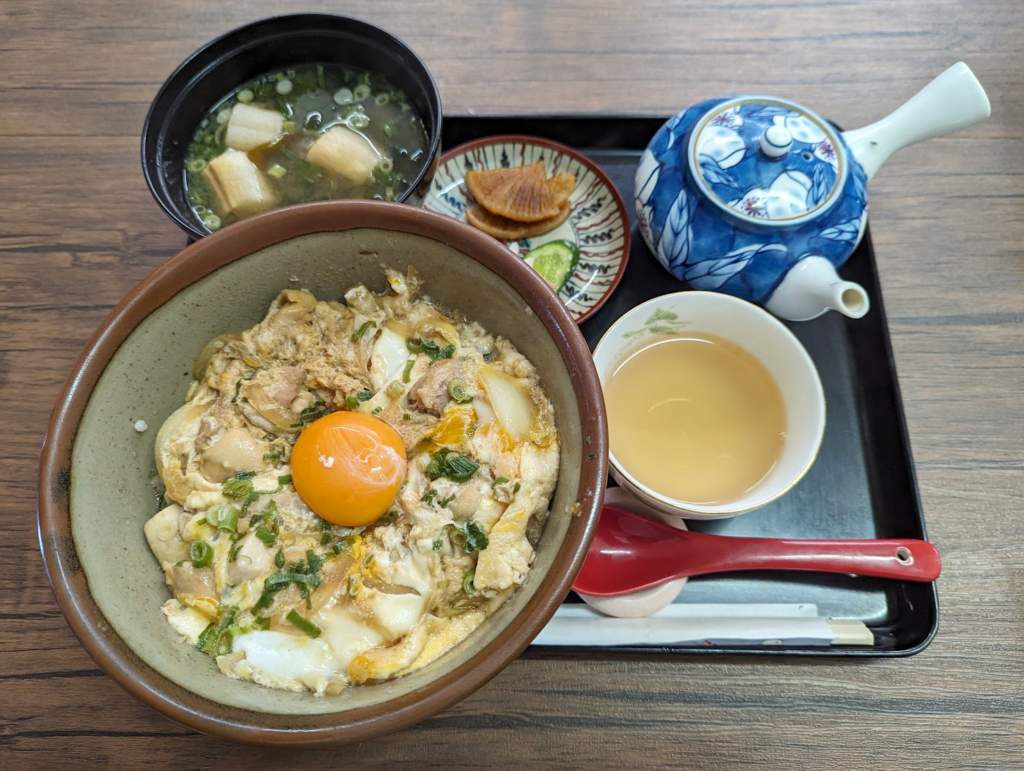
(862, 484)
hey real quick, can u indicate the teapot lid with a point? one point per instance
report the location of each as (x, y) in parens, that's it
(768, 161)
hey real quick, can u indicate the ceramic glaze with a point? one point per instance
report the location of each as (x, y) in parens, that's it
(736, 221)
(733, 193)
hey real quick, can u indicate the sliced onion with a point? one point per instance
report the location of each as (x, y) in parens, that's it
(388, 357)
(211, 349)
(511, 402)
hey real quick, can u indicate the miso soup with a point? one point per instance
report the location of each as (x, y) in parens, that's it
(311, 133)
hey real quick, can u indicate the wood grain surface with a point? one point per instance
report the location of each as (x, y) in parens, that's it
(78, 229)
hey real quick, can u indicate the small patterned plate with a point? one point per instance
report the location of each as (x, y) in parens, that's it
(598, 223)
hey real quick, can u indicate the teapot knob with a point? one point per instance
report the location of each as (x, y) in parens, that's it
(775, 142)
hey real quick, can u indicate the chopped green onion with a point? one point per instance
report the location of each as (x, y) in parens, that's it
(359, 121)
(288, 126)
(286, 479)
(215, 640)
(340, 546)
(389, 129)
(245, 475)
(382, 99)
(265, 535)
(467, 582)
(389, 193)
(303, 624)
(498, 481)
(490, 356)
(429, 496)
(237, 488)
(343, 96)
(438, 544)
(394, 389)
(211, 222)
(201, 554)
(408, 368)
(361, 92)
(351, 589)
(457, 468)
(469, 535)
(313, 412)
(364, 395)
(284, 87)
(387, 165)
(261, 622)
(388, 518)
(362, 330)
(443, 503)
(515, 488)
(406, 416)
(279, 558)
(224, 517)
(223, 116)
(434, 352)
(457, 390)
(281, 579)
(414, 344)
(377, 410)
(277, 171)
(196, 166)
(246, 95)
(352, 402)
(320, 76)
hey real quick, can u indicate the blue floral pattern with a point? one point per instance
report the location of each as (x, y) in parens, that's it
(698, 241)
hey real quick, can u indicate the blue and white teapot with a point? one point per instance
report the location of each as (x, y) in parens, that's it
(763, 199)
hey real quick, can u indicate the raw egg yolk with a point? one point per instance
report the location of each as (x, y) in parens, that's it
(348, 467)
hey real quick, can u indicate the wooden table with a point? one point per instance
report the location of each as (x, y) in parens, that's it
(78, 229)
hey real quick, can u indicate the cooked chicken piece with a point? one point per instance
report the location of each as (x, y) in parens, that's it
(431, 392)
(194, 587)
(234, 452)
(164, 539)
(468, 498)
(269, 397)
(345, 153)
(253, 560)
(250, 127)
(238, 185)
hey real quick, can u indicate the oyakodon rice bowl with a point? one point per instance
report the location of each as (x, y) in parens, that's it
(315, 411)
(95, 494)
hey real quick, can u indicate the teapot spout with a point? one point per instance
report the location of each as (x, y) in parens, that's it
(954, 100)
(813, 287)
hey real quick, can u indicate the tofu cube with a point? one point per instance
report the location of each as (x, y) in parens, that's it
(239, 186)
(250, 127)
(345, 153)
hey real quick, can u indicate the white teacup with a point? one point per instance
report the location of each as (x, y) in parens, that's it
(764, 336)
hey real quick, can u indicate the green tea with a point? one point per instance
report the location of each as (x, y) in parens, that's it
(695, 417)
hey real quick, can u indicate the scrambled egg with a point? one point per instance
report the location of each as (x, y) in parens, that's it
(285, 599)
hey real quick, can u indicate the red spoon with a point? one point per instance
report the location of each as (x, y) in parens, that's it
(631, 552)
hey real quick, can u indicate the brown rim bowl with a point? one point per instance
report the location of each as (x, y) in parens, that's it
(94, 494)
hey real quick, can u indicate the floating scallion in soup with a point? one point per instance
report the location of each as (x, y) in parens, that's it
(311, 133)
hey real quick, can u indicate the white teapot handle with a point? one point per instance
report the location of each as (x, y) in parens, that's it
(954, 100)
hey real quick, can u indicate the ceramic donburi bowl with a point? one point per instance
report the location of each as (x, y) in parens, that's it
(95, 496)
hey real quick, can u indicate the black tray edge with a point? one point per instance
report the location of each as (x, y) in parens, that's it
(631, 133)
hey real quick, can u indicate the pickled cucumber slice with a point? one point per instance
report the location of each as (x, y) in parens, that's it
(554, 261)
